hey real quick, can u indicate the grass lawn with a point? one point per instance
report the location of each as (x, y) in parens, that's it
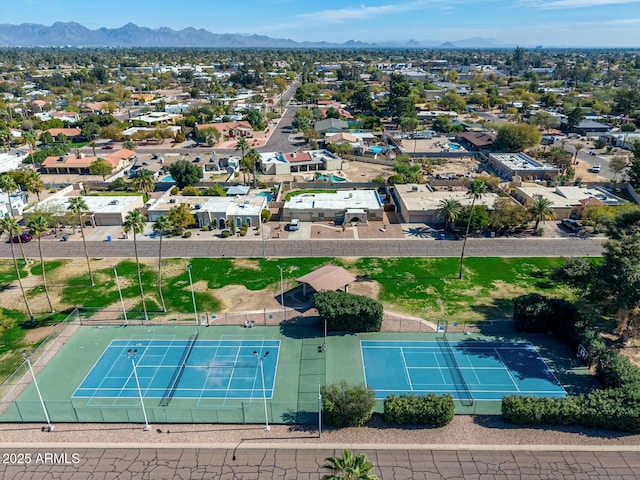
(424, 287)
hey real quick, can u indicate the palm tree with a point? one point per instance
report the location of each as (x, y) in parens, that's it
(449, 210)
(134, 221)
(577, 147)
(10, 226)
(93, 146)
(349, 467)
(477, 189)
(540, 211)
(33, 183)
(30, 138)
(38, 225)
(253, 157)
(242, 145)
(78, 205)
(144, 181)
(9, 185)
(161, 226)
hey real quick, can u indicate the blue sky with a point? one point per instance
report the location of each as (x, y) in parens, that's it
(579, 23)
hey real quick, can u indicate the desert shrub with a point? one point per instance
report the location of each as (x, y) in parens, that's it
(206, 228)
(186, 234)
(174, 191)
(243, 232)
(346, 405)
(225, 234)
(431, 409)
(190, 191)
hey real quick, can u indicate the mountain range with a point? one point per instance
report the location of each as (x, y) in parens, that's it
(71, 34)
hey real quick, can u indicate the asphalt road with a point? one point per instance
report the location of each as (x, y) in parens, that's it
(495, 247)
(251, 463)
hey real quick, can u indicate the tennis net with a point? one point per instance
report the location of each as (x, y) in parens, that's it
(177, 374)
(466, 399)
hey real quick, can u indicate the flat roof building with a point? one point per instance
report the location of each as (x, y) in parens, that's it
(508, 165)
(343, 206)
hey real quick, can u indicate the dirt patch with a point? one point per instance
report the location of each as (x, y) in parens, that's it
(36, 334)
(237, 298)
(246, 263)
(367, 288)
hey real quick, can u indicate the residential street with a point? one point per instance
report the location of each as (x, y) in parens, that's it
(494, 247)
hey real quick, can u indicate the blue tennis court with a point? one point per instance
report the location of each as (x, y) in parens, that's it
(469, 370)
(178, 368)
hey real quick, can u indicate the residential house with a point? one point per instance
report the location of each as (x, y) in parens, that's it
(331, 125)
(73, 134)
(228, 130)
(342, 206)
(509, 165)
(567, 201)
(81, 164)
(420, 203)
(476, 141)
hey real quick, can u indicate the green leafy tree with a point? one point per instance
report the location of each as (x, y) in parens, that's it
(39, 225)
(77, 206)
(507, 214)
(10, 226)
(161, 226)
(214, 191)
(135, 222)
(448, 210)
(453, 102)
(477, 189)
(541, 210)
(617, 164)
(180, 217)
(101, 167)
(349, 467)
(347, 312)
(130, 145)
(516, 137)
(185, 173)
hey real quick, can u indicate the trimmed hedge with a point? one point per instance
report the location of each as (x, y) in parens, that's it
(431, 409)
(613, 409)
(345, 405)
(345, 312)
(615, 371)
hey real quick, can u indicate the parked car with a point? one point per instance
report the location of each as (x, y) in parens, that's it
(596, 168)
(571, 225)
(107, 147)
(294, 225)
(197, 160)
(24, 237)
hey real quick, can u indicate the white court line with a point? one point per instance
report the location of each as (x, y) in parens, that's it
(507, 369)
(406, 369)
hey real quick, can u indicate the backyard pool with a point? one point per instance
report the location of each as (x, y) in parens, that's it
(331, 178)
(267, 195)
(375, 149)
(167, 179)
(454, 146)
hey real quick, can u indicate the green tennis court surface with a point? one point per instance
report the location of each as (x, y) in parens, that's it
(468, 370)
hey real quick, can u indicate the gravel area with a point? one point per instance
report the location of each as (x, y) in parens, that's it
(464, 430)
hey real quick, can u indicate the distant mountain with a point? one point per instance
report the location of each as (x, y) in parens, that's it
(71, 34)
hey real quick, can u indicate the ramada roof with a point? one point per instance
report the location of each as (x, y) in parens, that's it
(327, 278)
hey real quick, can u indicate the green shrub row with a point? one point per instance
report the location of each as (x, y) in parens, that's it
(431, 409)
(612, 408)
(345, 312)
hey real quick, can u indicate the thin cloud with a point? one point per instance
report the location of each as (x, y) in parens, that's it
(363, 12)
(567, 4)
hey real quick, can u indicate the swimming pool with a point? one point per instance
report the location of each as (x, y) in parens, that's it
(167, 179)
(331, 178)
(267, 195)
(454, 146)
(376, 149)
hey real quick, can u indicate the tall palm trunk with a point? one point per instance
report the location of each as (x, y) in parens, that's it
(44, 276)
(86, 253)
(164, 307)
(24, 295)
(24, 257)
(135, 249)
(466, 235)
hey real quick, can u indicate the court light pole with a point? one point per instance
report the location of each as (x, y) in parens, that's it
(281, 291)
(27, 359)
(124, 310)
(264, 391)
(132, 355)
(319, 411)
(193, 295)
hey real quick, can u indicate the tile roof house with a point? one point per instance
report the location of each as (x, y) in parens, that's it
(228, 129)
(81, 164)
(70, 133)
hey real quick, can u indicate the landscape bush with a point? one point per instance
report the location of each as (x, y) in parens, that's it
(615, 371)
(431, 409)
(346, 405)
(186, 234)
(225, 234)
(345, 312)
